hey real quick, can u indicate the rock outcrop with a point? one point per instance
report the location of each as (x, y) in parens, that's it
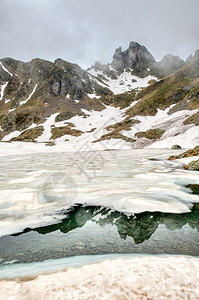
(136, 57)
(141, 62)
(193, 165)
(188, 153)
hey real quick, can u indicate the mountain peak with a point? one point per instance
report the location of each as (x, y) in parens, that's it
(169, 64)
(136, 57)
(133, 45)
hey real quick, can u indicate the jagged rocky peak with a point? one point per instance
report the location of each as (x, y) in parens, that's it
(101, 67)
(39, 67)
(68, 67)
(8, 68)
(191, 58)
(105, 68)
(168, 65)
(136, 57)
(117, 62)
(190, 68)
(140, 62)
(193, 65)
(10, 64)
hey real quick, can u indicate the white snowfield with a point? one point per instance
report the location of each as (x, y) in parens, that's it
(94, 126)
(175, 131)
(125, 82)
(144, 277)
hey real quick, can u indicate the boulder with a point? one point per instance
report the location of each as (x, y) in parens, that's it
(193, 165)
(176, 147)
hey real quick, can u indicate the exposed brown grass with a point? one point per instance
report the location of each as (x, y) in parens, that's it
(58, 132)
(29, 135)
(152, 134)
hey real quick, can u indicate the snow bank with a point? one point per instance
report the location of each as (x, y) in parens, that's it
(187, 136)
(187, 139)
(146, 277)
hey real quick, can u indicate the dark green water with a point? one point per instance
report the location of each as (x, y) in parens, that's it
(96, 230)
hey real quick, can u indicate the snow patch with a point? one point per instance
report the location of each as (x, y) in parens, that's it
(92, 96)
(124, 83)
(16, 133)
(12, 109)
(34, 89)
(2, 89)
(20, 86)
(95, 122)
(11, 135)
(187, 139)
(175, 131)
(5, 69)
(46, 135)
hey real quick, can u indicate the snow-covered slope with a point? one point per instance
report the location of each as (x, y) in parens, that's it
(95, 124)
(124, 82)
(175, 131)
(122, 104)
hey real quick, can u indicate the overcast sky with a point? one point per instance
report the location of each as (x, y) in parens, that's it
(83, 31)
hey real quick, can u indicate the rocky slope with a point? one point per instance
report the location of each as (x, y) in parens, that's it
(134, 99)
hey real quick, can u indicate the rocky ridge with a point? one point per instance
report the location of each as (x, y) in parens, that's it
(140, 62)
(58, 101)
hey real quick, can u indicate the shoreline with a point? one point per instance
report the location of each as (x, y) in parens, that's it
(137, 277)
(27, 271)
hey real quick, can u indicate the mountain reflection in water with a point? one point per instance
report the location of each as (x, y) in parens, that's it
(98, 230)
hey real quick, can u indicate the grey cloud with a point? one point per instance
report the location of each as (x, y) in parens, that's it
(84, 31)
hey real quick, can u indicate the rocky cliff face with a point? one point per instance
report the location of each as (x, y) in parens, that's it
(31, 92)
(136, 57)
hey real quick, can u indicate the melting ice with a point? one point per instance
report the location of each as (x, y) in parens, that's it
(35, 188)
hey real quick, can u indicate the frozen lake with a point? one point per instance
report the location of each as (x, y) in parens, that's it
(129, 201)
(35, 188)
